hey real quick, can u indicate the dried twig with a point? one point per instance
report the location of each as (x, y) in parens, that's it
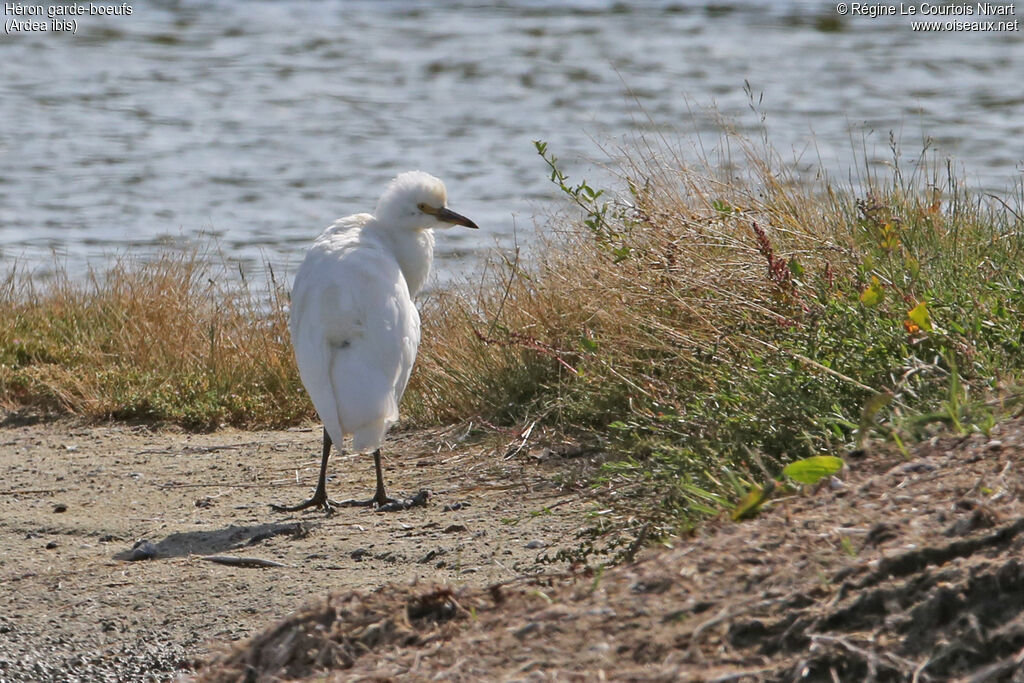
(25, 492)
(512, 452)
(267, 485)
(725, 614)
(739, 676)
(519, 339)
(249, 562)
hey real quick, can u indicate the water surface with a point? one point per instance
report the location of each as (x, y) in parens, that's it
(260, 122)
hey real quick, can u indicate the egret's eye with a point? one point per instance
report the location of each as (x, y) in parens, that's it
(427, 208)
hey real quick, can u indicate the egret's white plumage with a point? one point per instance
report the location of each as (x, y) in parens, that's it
(355, 331)
(354, 325)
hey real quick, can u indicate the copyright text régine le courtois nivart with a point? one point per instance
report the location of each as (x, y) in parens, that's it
(927, 9)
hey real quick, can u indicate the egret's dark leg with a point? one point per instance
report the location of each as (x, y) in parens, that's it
(380, 499)
(319, 498)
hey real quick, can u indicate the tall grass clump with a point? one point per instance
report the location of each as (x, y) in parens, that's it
(709, 328)
(171, 339)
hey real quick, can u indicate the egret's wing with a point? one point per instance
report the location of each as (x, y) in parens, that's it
(355, 331)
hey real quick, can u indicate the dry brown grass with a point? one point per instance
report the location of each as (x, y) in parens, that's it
(172, 338)
(686, 266)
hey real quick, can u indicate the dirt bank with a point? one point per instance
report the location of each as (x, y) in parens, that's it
(898, 571)
(75, 499)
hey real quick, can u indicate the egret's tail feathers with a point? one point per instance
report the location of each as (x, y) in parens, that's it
(370, 437)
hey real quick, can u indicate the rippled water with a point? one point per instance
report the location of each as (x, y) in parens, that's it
(262, 121)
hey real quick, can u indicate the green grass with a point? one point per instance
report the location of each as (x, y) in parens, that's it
(703, 329)
(709, 330)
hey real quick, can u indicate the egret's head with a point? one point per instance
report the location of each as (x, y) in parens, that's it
(415, 200)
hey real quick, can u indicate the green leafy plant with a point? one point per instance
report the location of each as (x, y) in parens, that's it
(814, 469)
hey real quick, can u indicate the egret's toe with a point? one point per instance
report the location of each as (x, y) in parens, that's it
(392, 505)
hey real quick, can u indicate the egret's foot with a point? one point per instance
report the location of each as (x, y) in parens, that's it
(319, 500)
(419, 500)
(353, 503)
(386, 504)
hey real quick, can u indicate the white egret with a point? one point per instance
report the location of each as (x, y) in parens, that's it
(354, 325)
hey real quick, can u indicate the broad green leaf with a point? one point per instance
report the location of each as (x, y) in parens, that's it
(919, 314)
(873, 295)
(752, 502)
(814, 469)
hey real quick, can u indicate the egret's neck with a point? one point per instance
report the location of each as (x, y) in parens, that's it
(414, 251)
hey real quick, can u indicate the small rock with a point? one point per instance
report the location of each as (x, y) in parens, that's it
(702, 606)
(981, 517)
(916, 467)
(51, 545)
(142, 550)
(452, 507)
(60, 507)
(535, 545)
(358, 554)
(527, 630)
(994, 445)
(454, 528)
(656, 584)
(880, 533)
(431, 555)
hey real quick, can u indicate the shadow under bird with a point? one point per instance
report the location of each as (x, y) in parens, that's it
(355, 327)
